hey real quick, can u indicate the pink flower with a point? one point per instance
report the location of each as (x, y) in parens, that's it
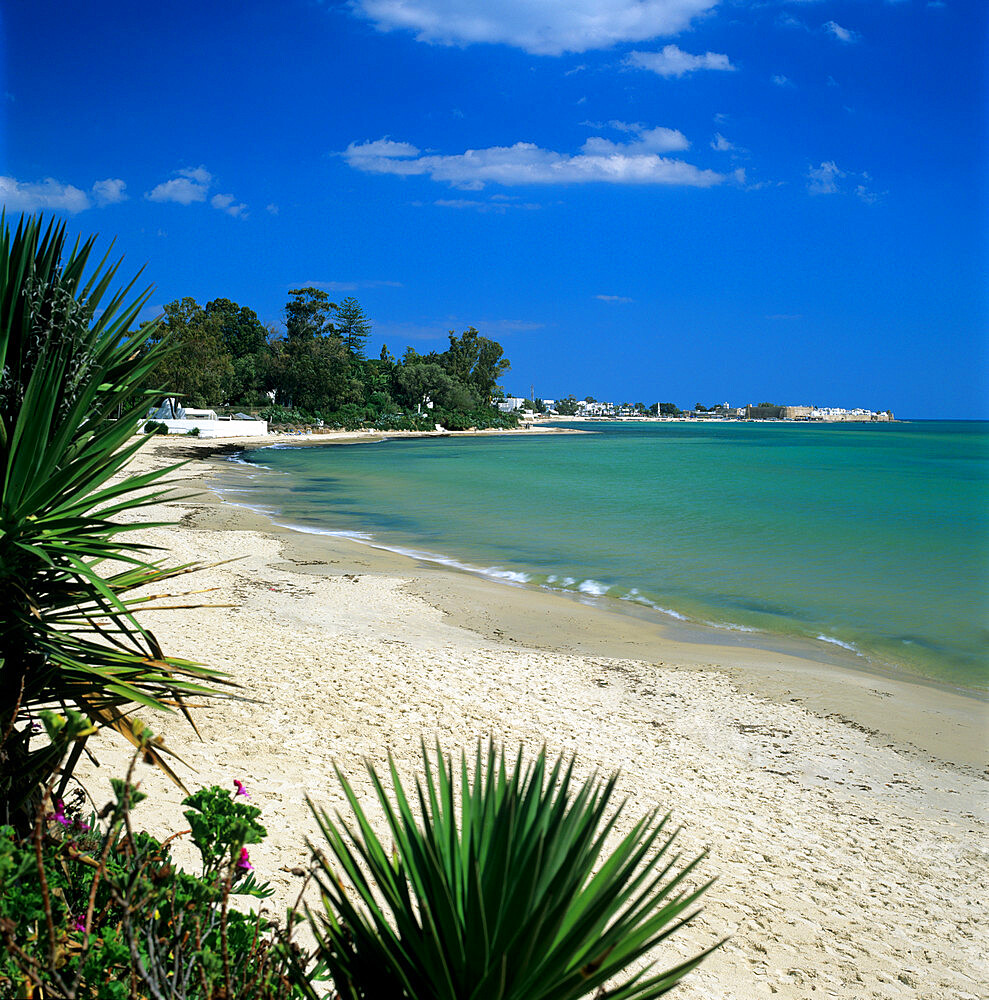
(241, 790)
(245, 861)
(59, 814)
(79, 924)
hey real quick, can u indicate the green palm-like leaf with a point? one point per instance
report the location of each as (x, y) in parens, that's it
(501, 889)
(75, 381)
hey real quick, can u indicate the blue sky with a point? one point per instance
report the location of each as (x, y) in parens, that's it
(677, 200)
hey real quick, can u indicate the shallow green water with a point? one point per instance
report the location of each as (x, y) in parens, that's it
(872, 537)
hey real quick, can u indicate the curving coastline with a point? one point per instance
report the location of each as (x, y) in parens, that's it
(844, 812)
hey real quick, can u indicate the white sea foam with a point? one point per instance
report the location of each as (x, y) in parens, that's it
(360, 536)
(635, 597)
(838, 642)
(238, 459)
(513, 576)
(593, 588)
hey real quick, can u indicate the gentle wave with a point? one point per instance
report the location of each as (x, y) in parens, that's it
(837, 642)
(360, 536)
(239, 459)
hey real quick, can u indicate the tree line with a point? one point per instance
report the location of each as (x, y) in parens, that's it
(318, 368)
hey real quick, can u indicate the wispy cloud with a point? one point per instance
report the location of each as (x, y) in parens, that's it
(845, 35)
(781, 81)
(721, 144)
(824, 179)
(474, 205)
(600, 160)
(347, 286)
(784, 316)
(614, 299)
(828, 178)
(428, 330)
(673, 61)
(542, 27)
(109, 191)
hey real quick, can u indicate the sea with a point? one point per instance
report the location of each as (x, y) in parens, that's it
(871, 540)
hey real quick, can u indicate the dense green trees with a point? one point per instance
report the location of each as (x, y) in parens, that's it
(319, 368)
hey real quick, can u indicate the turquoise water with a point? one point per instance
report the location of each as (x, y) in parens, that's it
(870, 537)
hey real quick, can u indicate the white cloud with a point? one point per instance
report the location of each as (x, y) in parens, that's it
(272, 208)
(501, 207)
(437, 329)
(50, 194)
(824, 179)
(227, 203)
(109, 192)
(673, 61)
(191, 185)
(653, 140)
(781, 81)
(542, 27)
(599, 161)
(384, 147)
(828, 178)
(842, 34)
(347, 286)
(721, 144)
(615, 299)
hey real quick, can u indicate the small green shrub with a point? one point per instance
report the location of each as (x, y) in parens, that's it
(155, 427)
(109, 915)
(192, 432)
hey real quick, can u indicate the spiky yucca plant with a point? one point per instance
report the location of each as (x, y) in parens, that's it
(74, 383)
(502, 890)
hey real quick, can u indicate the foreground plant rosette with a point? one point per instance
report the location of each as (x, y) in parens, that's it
(501, 889)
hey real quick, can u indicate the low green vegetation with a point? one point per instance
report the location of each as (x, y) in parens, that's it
(93, 909)
(317, 371)
(503, 889)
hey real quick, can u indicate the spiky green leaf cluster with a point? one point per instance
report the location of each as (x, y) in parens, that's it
(74, 381)
(501, 889)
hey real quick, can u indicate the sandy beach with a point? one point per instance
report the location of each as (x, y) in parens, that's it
(844, 812)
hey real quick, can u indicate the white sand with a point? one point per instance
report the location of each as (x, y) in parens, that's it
(846, 868)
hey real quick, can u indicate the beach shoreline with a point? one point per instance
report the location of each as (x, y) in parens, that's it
(914, 714)
(844, 811)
